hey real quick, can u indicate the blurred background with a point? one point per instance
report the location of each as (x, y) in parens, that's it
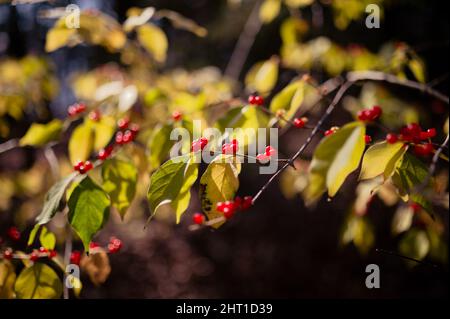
(279, 248)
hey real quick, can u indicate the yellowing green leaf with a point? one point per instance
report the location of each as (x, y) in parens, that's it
(119, 181)
(357, 229)
(334, 159)
(269, 10)
(289, 99)
(181, 22)
(169, 184)
(381, 158)
(81, 143)
(418, 69)
(410, 173)
(415, 244)
(41, 134)
(103, 131)
(298, 3)
(47, 239)
(58, 37)
(88, 210)
(263, 76)
(7, 279)
(154, 40)
(219, 183)
(38, 282)
(159, 144)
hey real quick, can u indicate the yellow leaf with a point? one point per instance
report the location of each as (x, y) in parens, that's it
(381, 158)
(38, 281)
(41, 134)
(219, 183)
(154, 40)
(269, 10)
(81, 143)
(58, 38)
(103, 131)
(263, 76)
(7, 279)
(418, 69)
(298, 3)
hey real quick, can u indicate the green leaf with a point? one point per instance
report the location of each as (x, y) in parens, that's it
(160, 144)
(41, 134)
(7, 279)
(381, 158)
(415, 244)
(335, 157)
(53, 199)
(154, 40)
(38, 282)
(47, 239)
(269, 10)
(170, 183)
(219, 183)
(104, 130)
(410, 173)
(417, 67)
(263, 76)
(33, 234)
(81, 143)
(289, 99)
(246, 120)
(119, 181)
(359, 230)
(88, 210)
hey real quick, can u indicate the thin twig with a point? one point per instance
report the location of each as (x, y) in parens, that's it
(52, 161)
(316, 129)
(388, 252)
(244, 44)
(9, 145)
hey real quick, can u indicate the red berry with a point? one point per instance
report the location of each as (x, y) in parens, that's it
(75, 257)
(119, 138)
(104, 153)
(237, 204)
(81, 169)
(415, 207)
(114, 245)
(52, 254)
(299, 123)
(255, 100)
(77, 165)
(72, 110)
(134, 128)
(228, 212)
(328, 132)
(368, 139)
(423, 149)
(95, 116)
(127, 137)
(270, 151)
(88, 166)
(377, 111)
(391, 138)
(43, 250)
(34, 256)
(8, 254)
(176, 115)
(362, 116)
(123, 123)
(93, 245)
(199, 144)
(13, 233)
(80, 107)
(198, 218)
(247, 203)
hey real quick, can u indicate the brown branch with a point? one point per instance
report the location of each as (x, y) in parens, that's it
(244, 44)
(390, 78)
(9, 145)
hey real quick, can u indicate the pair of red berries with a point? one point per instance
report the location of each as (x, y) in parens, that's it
(42, 252)
(104, 153)
(255, 100)
(13, 233)
(177, 115)
(228, 208)
(230, 148)
(371, 114)
(268, 153)
(83, 167)
(199, 144)
(300, 123)
(75, 257)
(114, 245)
(76, 109)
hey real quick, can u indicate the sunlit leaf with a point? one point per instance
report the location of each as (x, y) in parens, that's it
(154, 40)
(402, 219)
(159, 144)
(359, 230)
(263, 76)
(103, 131)
(417, 67)
(81, 143)
(41, 134)
(47, 239)
(269, 10)
(410, 173)
(7, 279)
(298, 3)
(38, 282)
(415, 244)
(382, 159)
(119, 181)
(334, 159)
(289, 99)
(181, 22)
(219, 183)
(88, 210)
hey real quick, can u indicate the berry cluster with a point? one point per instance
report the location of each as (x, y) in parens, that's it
(331, 131)
(34, 256)
(199, 144)
(230, 148)
(265, 157)
(177, 115)
(83, 167)
(368, 139)
(229, 207)
(413, 133)
(104, 153)
(127, 131)
(255, 100)
(76, 109)
(300, 123)
(371, 114)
